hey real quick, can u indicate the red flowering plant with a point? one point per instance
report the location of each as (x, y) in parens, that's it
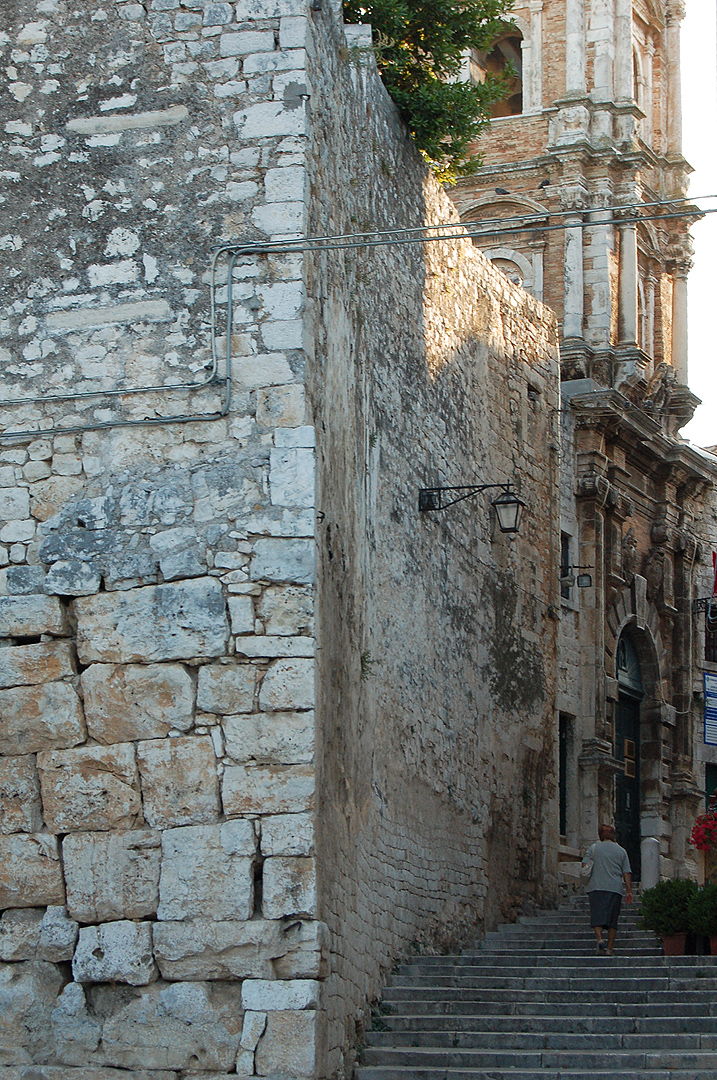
(704, 832)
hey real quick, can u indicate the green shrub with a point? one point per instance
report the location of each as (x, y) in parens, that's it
(664, 909)
(419, 47)
(702, 911)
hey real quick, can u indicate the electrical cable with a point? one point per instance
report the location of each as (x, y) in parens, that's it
(381, 238)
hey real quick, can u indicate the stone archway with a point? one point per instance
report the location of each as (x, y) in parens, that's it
(636, 631)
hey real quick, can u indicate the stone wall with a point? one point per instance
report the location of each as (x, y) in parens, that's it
(156, 711)
(436, 640)
(162, 570)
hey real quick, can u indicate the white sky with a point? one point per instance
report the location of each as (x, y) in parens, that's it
(699, 111)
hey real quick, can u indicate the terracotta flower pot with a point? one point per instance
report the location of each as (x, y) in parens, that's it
(674, 944)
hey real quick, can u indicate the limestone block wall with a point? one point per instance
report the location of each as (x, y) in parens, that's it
(157, 881)
(436, 662)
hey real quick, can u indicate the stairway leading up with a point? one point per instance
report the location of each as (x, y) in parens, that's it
(536, 1003)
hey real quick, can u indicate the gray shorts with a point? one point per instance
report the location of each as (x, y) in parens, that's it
(605, 908)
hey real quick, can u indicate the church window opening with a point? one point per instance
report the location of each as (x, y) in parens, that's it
(565, 566)
(564, 751)
(711, 637)
(505, 58)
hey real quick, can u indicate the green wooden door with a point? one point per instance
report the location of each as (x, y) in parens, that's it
(627, 785)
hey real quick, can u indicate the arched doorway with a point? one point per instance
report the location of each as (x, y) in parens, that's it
(627, 751)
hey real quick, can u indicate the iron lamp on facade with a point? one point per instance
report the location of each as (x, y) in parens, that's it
(508, 507)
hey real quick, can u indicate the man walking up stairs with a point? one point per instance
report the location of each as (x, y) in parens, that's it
(536, 1002)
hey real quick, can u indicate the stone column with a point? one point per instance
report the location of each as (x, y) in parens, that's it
(647, 123)
(623, 51)
(574, 48)
(602, 32)
(649, 344)
(533, 61)
(627, 298)
(675, 14)
(679, 320)
(573, 278)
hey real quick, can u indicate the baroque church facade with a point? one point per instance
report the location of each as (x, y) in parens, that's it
(583, 161)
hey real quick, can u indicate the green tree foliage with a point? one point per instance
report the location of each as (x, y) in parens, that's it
(419, 46)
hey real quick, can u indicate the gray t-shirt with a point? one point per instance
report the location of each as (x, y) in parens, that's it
(610, 862)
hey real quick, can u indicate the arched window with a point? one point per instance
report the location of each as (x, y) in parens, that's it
(505, 57)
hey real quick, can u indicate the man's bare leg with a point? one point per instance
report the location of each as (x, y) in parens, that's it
(598, 936)
(611, 935)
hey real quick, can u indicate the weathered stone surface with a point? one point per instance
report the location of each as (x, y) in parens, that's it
(20, 934)
(82, 1071)
(264, 647)
(171, 1026)
(268, 789)
(58, 935)
(284, 560)
(49, 496)
(92, 788)
(76, 1034)
(254, 1027)
(258, 949)
(112, 875)
(27, 665)
(27, 616)
(288, 684)
(226, 688)
(30, 871)
(115, 952)
(22, 580)
(40, 718)
(241, 614)
(179, 781)
(259, 995)
(287, 610)
(162, 622)
(20, 806)
(288, 1046)
(278, 738)
(136, 701)
(28, 993)
(31, 934)
(287, 834)
(207, 870)
(289, 887)
(72, 577)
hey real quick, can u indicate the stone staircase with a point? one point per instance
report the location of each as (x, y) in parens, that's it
(536, 1003)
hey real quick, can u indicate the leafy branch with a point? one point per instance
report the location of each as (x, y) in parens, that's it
(420, 47)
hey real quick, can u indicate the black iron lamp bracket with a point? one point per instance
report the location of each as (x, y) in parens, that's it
(433, 498)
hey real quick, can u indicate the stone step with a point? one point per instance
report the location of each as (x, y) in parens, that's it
(500, 1007)
(535, 1040)
(533, 1001)
(547, 1023)
(422, 1073)
(596, 966)
(621, 1062)
(585, 996)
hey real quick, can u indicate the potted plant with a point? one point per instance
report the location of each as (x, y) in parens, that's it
(702, 913)
(704, 838)
(664, 909)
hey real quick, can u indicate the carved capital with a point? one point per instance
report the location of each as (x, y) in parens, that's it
(675, 11)
(594, 487)
(574, 196)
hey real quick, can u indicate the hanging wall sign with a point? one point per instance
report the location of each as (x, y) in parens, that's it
(710, 708)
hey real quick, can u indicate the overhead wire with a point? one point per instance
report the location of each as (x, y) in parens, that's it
(451, 230)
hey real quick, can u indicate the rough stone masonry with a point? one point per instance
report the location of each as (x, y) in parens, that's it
(164, 549)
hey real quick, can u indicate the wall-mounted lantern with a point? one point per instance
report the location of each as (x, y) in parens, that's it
(583, 581)
(508, 507)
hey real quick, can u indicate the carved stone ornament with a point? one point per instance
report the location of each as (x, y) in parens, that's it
(656, 397)
(629, 556)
